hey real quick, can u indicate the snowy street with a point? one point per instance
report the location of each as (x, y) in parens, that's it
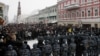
(31, 42)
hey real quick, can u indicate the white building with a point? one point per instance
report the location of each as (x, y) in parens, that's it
(4, 12)
(32, 19)
(48, 15)
(22, 18)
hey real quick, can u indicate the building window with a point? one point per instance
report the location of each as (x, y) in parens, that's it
(72, 1)
(95, 0)
(1, 11)
(58, 0)
(89, 13)
(96, 12)
(69, 15)
(77, 1)
(89, 0)
(64, 3)
(73, 14)
(66, 15)
(82, 1)
(83, 14)
(55, 9)
(77, 14)
(1, 15)
(59, 16)
(61, 6)
(55, 17)
(68, 3)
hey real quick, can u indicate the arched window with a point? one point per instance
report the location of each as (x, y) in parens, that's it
(66, 15)
(89, 13)
(96, 12)
(69, 14)
(77, 13)
(72, 14)
(83, 14)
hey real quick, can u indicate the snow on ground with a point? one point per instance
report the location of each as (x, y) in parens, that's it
(31, 42)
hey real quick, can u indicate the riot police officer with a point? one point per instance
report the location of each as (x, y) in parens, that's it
(85, 44)
(56, 48)
(47, 49)
(64, 49)
(24, 51)
(99, 45)
(92, 46)
(10, 51)
(72, 47)
(40, 42)
(35, 51)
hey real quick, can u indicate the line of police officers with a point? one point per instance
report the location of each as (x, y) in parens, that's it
(80, 44)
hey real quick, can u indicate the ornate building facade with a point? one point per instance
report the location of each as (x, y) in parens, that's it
(81, 12)
(46, 15)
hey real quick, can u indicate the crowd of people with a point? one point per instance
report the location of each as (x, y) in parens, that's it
(53, 40)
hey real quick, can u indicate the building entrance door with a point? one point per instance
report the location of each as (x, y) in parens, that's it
(70, 25)
(86, 25)
(96, 26)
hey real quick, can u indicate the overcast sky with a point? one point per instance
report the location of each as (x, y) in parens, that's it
(27, 6)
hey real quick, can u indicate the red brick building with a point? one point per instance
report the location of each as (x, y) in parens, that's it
(82, 12)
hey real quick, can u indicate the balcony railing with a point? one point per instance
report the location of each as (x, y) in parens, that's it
(72, 6)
